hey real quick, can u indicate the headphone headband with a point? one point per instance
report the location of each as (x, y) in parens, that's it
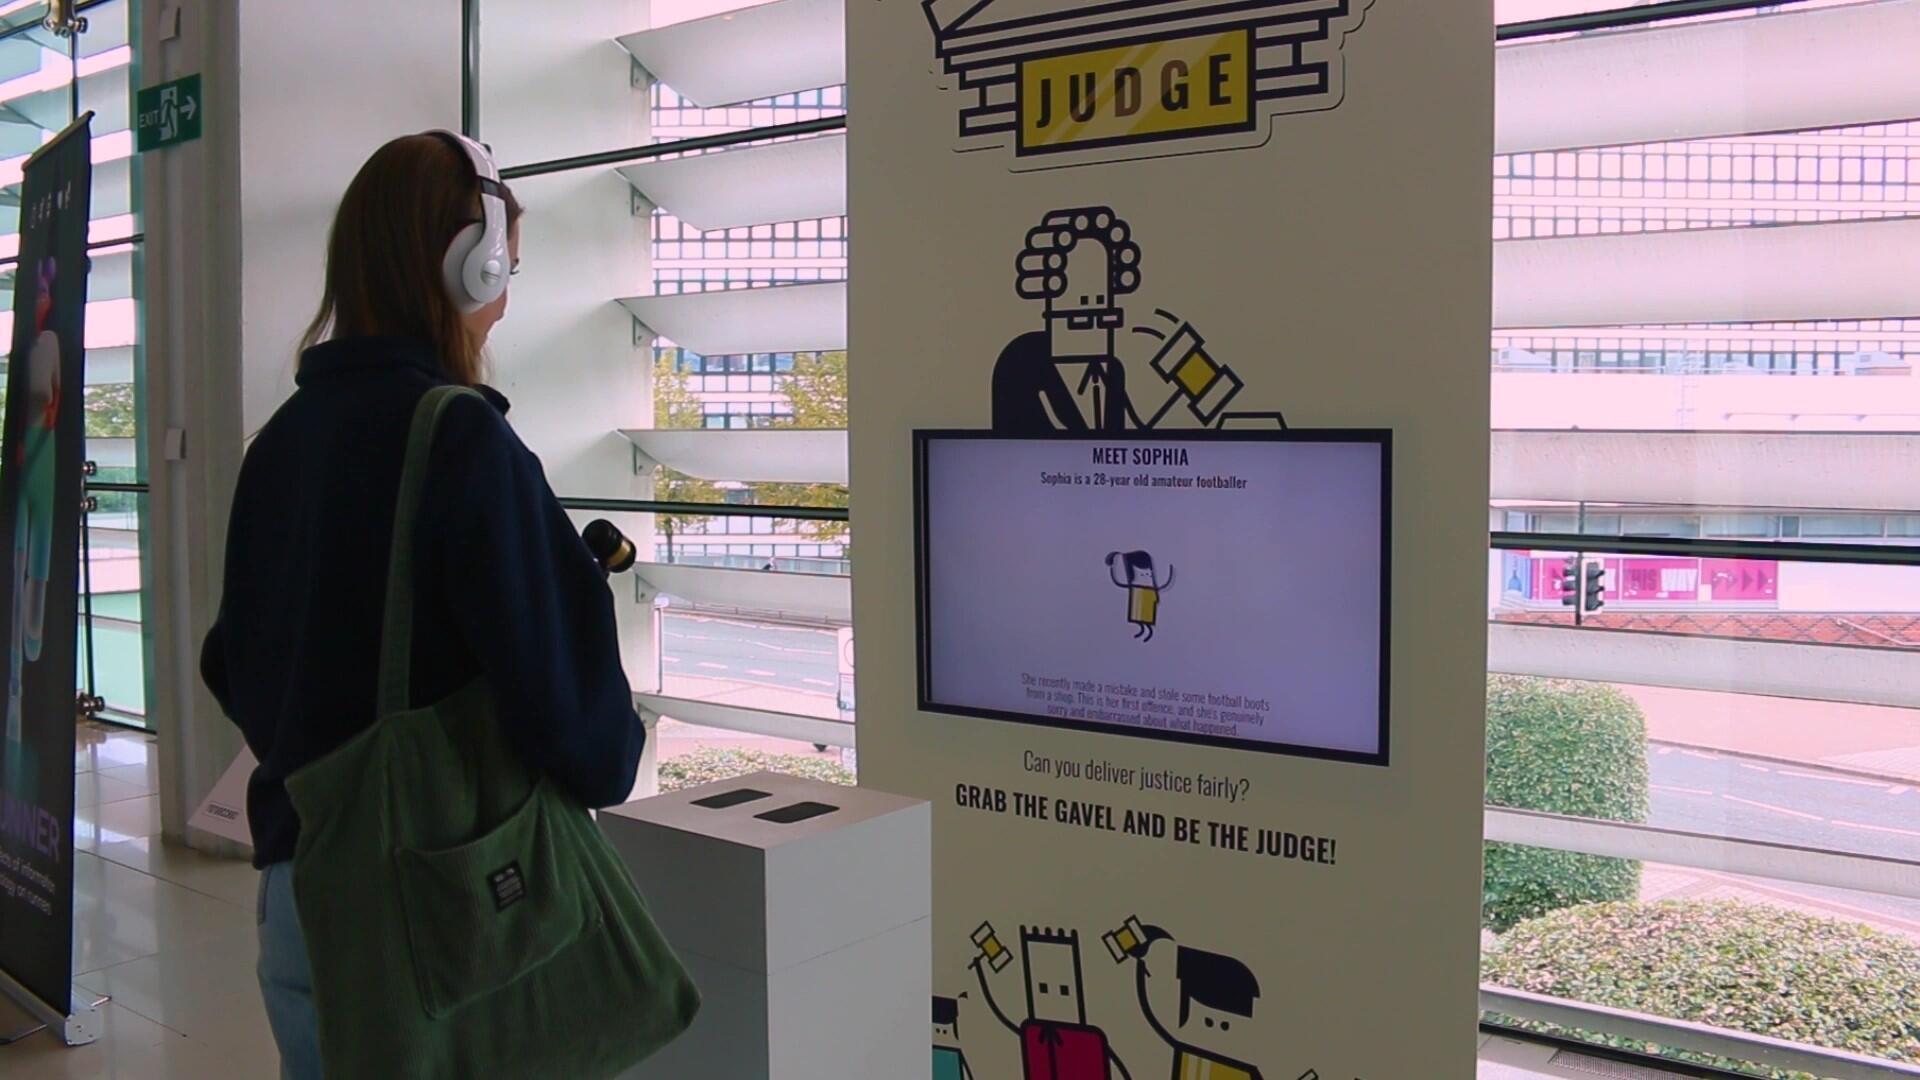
(477, 262)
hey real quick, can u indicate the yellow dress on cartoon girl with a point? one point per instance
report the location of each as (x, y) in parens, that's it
(1133, 571)
(1188, 1065)
(1143, 604)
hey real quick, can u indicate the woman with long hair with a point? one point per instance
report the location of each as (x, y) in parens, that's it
(505, 593)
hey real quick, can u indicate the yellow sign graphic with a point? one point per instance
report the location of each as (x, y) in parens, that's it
(1171, 88)
(1063, 83)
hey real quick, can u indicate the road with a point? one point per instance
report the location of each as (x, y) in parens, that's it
(1807, 806)
(792, 658)
(1803, 805)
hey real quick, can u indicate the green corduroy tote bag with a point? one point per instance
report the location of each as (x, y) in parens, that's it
(464, 916)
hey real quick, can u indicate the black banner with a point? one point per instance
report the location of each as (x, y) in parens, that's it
(41, 452)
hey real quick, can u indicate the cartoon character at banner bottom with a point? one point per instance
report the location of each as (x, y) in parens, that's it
(949, 1061)
(33, 511)
(1216, 993)
(1143, 588)
(1056, 1042)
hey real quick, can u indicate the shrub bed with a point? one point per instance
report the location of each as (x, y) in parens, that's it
(1747, 967)
(708, 764)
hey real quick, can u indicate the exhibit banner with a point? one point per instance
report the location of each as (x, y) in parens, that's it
(1169, 409)
(41, 455)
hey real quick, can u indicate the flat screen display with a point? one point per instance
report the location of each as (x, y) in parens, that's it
(1219, 587)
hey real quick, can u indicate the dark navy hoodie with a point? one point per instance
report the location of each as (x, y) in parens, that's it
(504, 586)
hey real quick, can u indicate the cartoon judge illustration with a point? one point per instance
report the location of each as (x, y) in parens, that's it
(1067, 376)
(1072, 374)
(1217, 994)
(33, 510)
(1133, 571)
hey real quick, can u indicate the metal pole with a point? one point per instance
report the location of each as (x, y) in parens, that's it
(1618, 18)
(470, 68)
(87, 501)
(1580, 569)
(73, 69)
(632, 154)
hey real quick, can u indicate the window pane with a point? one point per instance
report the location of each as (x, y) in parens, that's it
(674, 530)
(112, 640)
(1841, 526)
(1811, 774)
(1602, 519)
(1741, 700)
(691, 755)
(1723, 713)
(1740, 526)
(769, 663)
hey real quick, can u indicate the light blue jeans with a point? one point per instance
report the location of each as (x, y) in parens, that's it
(286, 980)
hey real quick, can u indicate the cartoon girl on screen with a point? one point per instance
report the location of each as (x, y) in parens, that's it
(1133, 571)
(33, 511)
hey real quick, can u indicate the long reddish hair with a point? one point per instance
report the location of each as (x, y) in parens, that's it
(389, 239)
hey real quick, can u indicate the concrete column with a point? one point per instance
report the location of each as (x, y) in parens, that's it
(297, 95)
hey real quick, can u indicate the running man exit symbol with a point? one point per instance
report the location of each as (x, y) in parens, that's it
(167, 114)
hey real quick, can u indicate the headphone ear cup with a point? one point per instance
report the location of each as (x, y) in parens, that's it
(453, 269)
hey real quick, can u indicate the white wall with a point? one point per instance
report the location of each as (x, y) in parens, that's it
(1833, 587)
(554, 86)
(668, 12)
(320, 88)
(566, 354)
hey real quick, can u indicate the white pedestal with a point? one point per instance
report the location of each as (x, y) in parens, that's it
(810, 940)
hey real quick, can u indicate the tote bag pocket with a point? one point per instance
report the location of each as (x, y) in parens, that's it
(484, 914)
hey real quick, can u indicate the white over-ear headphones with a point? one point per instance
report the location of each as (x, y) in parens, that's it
(477, 265)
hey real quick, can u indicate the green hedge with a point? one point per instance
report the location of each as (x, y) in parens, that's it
(708, 764)
(1746, 967)
(1566, 748)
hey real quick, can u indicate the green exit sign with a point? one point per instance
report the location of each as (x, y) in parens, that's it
(167, 114)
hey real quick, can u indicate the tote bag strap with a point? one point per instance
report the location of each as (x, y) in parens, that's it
(396, 636)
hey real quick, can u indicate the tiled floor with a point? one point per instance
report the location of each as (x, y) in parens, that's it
(166, 933)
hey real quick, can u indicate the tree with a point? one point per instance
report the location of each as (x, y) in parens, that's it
(675, 406)
(818, 390)
(110, 411)
(817, 387)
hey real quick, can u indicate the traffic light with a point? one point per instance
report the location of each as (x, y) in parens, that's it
(1596, 586)
(1570, 582)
